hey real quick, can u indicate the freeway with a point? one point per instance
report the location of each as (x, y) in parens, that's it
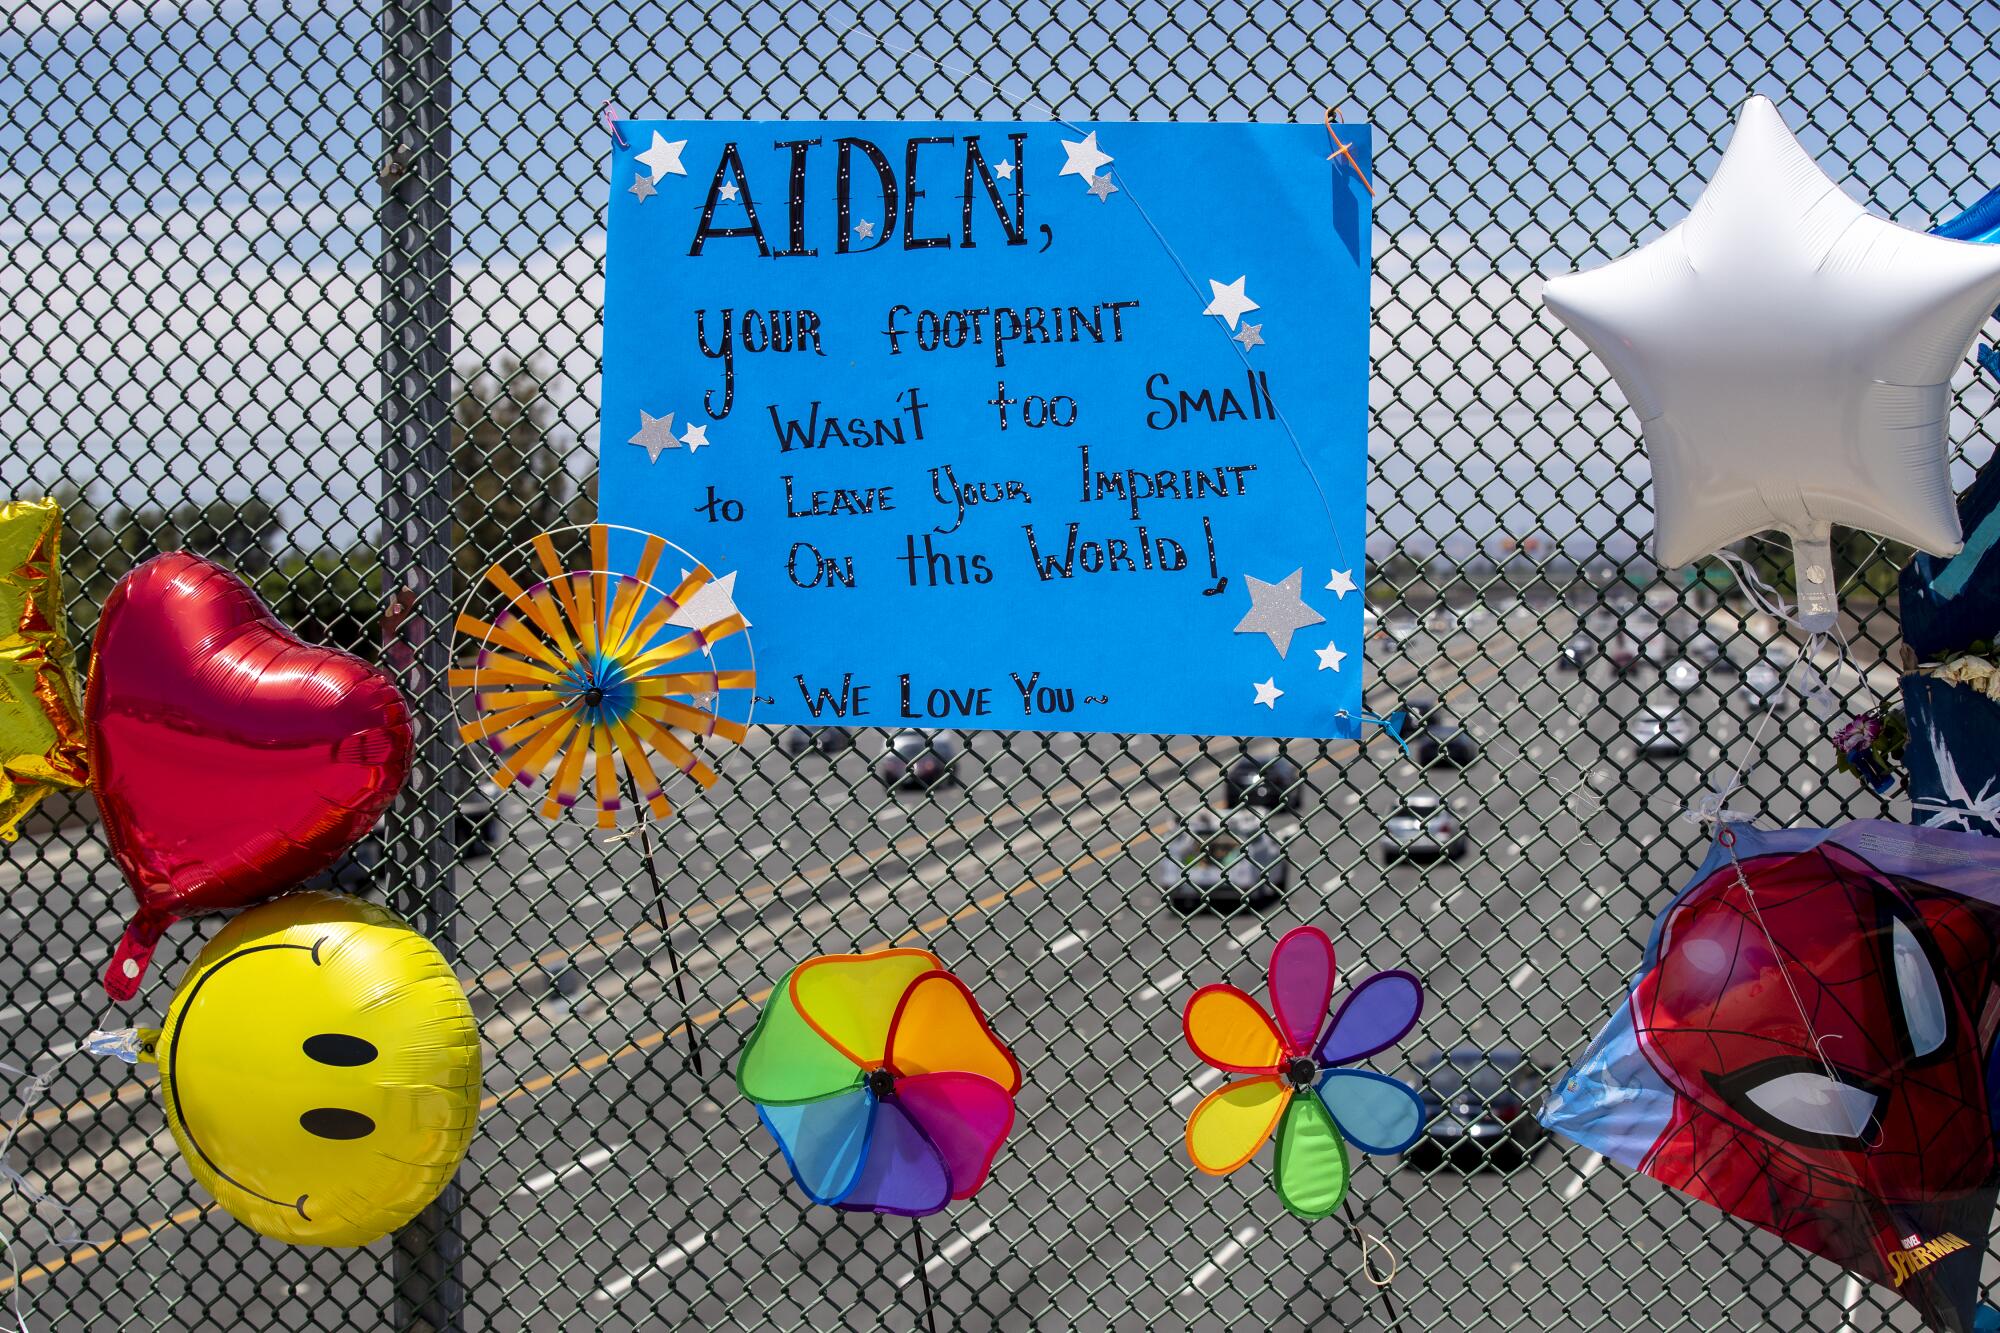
(619, 1182)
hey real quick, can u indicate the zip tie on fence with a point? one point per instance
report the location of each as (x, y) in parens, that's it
(1392, 724)
(1376, 1276)
(611, 123)
(1341, 150)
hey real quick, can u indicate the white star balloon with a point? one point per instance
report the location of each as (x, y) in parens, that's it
(1790, 359)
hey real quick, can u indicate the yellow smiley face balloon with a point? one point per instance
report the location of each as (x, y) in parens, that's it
(320, 1068)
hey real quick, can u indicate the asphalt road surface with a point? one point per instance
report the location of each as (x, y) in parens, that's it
(619, 1182)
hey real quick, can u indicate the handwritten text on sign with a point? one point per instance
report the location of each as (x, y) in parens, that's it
(1012, 426)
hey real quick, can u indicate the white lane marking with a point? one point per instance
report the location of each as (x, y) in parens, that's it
(1213, 1268)
(61, 999)
(1583, 1173)
(49, 967)
(666, 1262)
(1070, 941)
(590, 1161)
(1522, 977)
(1153, 992)
(1205, 1080)
(949, 1253)
(1241, 939)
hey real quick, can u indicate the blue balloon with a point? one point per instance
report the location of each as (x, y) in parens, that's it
(1980, 223)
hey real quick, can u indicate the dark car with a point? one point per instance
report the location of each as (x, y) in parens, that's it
(1265, 782)
(797, 742)
(1479, 1109)
(475, 821)
(1423, 828)
(1443, 741)
(1577, 653)
(920, 759)
(1222, 864)
(1418, 710)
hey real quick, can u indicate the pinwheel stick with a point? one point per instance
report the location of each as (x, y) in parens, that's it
(666, 923)
(924, 1272)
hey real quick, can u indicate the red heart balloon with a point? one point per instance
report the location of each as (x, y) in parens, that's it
(230, 760)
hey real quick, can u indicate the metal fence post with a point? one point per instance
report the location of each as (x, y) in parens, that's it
(417, 555)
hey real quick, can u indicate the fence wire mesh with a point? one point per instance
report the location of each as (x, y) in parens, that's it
(315, 289)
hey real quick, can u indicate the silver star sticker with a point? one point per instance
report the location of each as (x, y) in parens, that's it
(864, 229)
(655, 435)
(1330, 658)
(1276, 609)
(1004, 170)
(712, 604)
(1268, 692)
(1251, 335)
(1342, 582)
(642, 187)
(728, 192)
(1102, 187)
(694, 437)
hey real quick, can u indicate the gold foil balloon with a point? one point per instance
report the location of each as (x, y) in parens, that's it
(41, 728)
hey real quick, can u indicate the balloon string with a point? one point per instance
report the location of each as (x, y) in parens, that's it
(1727, 838)
(1713, 806)
(32, 1093)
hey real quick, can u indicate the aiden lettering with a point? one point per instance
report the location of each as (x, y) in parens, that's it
(879, 199)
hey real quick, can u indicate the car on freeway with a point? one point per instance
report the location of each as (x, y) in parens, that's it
(475, 821)
(1707, 652)
(1417, 711)
(1763, 688)
(1681, 676)
(1479, 1109)
(797, 742)
(916, 760)
(1265, 781)
(1662, 731)
(1423, 828)
(1577, 653)
(1443, 742)
(1222, 864)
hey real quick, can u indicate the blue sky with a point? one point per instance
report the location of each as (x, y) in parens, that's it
(185, 296)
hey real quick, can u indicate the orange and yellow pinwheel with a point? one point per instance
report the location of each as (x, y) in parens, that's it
(585, 670)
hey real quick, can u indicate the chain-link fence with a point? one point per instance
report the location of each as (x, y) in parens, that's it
(316, 290)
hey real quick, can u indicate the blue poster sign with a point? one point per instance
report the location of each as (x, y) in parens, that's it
(1012, 426)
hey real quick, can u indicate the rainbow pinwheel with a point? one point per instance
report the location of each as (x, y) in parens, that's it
(577, 668)
(1375, 1113)
(878, 1076)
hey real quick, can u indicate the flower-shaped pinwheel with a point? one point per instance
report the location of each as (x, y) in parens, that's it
(1375, 1113)
(881, 1082)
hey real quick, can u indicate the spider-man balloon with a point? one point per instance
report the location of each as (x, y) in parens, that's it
(1809, 1047)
